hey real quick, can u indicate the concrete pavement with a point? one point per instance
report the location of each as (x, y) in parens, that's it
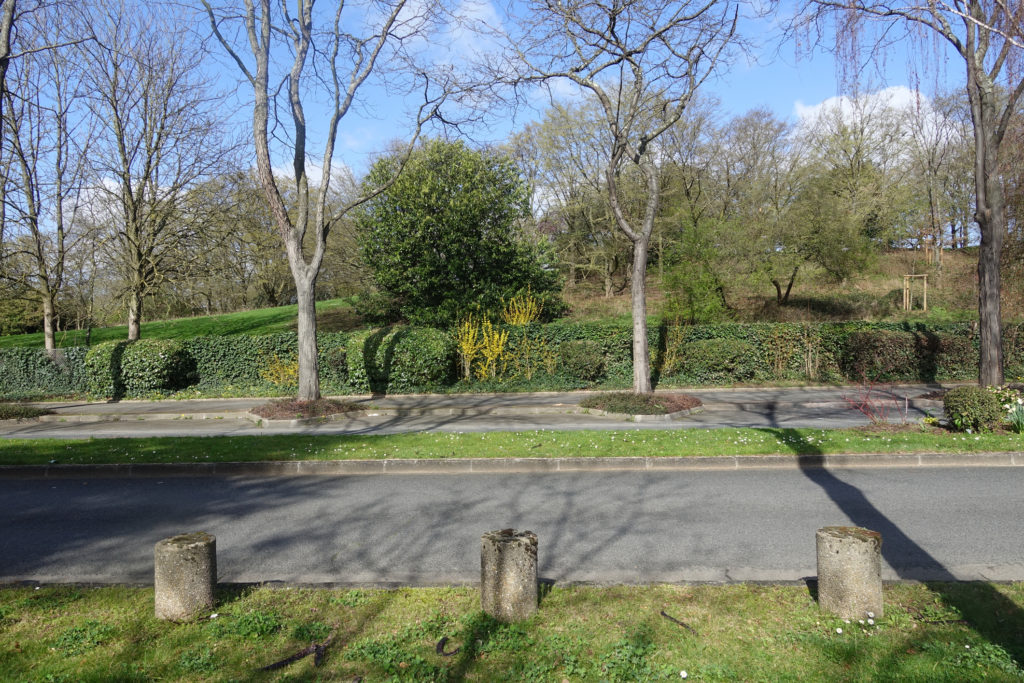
(823, 407)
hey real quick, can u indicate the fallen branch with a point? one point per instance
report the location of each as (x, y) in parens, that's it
(681, 623)
(316, 649)
(440, 648)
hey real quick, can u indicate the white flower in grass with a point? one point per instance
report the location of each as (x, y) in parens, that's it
(839, 631)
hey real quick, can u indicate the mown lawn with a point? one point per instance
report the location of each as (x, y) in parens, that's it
(333, 314)
(935, 632)
(533, 444)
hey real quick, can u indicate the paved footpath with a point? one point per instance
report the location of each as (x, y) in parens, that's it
(827, 407)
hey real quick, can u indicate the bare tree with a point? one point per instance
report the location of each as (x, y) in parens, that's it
(47, 128)
(162, 133)
(988, 36)
(643, 60)
(333, 54)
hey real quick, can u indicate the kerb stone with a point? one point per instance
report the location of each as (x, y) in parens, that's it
(850, 571)
(508, 574)
(184, 574)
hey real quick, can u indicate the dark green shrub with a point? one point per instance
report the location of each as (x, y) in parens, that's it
(400, 359)
(423, 358)
(238, 360)
(333, 362)
(956, 357)
(581, 359)
(973, 408)
(377, 308)
(444, 240)
(718, 360)
(103, 368)
(35, 373)
(881, 356)
(156, 365)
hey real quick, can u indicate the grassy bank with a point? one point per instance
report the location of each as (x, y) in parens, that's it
(535, 444)
(939, 632)
(331, 315)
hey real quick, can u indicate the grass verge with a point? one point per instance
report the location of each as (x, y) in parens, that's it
(535, 444)
(935, 632)
(332, 315)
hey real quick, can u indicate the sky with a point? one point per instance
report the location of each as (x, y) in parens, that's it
(776, 76)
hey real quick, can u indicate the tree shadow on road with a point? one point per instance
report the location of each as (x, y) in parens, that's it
(995, 618)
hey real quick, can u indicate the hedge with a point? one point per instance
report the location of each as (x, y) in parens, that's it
(400, 359)
(558, 355)
(32, 373)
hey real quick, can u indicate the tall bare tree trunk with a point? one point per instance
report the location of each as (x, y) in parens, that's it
(638, 291)
(134, 316)
(990, 215)
(49, 336)
(309, 365)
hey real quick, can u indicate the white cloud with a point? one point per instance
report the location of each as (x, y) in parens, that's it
(473, 33)
(898, 97)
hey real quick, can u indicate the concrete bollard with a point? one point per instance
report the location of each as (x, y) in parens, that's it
(508, 574)
(850, 571)
(185, 572)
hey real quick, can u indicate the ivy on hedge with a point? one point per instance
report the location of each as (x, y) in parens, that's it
(400, 359)
(31, 373)
(559, 355)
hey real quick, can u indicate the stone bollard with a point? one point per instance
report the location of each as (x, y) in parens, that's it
(850, 571)
(185, 572)
(508, 574)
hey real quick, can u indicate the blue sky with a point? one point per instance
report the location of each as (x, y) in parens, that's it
(777, 78)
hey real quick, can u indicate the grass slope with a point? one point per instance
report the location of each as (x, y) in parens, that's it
(935, 632)
(332, 314)
(535, 444)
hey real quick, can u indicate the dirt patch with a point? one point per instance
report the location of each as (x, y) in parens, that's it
(291, 409)
(17, 411)
(933, 395)
(642, 404)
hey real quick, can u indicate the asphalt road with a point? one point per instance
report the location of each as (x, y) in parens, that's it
(747, 525)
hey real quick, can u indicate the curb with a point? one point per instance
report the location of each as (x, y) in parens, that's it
(511, 465)
(451, 411)
(463, 412)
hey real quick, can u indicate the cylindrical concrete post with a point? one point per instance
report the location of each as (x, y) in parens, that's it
(508, 574)
(185, 572)
(850, 571)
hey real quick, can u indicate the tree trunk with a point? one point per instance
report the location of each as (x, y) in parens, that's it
(134, 316)
(641, 357)
(309, 365)
(49, 338)
(990, 328)
(991, 217)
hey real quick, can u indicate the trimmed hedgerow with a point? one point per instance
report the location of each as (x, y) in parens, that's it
(400, 359)
(103, 368)
(556, 356)
(242, 361)
(26, 373)
(151, 365)
(881, 355)
(716, 361)
(581, 359)
(972, 407)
